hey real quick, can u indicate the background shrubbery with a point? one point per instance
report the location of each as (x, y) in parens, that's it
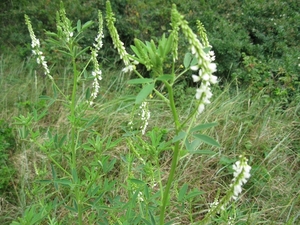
(256, 43)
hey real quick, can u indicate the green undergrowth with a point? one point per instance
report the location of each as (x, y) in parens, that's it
(267, 132)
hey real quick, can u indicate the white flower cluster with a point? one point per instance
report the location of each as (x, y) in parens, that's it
(241, 175)
(205, 75)
(35, 44)
(118, 44)
(98, 40)
(130, 67)
(64, 25)
(145, 116)
(97, 75)
(204, 66)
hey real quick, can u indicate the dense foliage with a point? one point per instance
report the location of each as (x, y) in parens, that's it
(256, 42)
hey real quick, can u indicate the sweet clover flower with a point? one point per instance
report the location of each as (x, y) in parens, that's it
(240, 176)
(205, 65)
(98, 40)
(97, 73)
(64, 25)
(118, 44)
(35, 44)
(145, 116)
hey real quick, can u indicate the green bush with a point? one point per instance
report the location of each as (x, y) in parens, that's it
(265, 32)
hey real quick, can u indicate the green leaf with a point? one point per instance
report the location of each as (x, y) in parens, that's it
(78, 25)
(179, 136)
(203, 152)
(44, 97)
(152, 218)
(140, 81)
(71, 209)
(86, 25)
(144, 93)
(206, 49)
(206, 139)
(194, 62)
(62, 140)
(54, 176)
(137, 53)
(193, 145)
(165, 77)
(182, 192)
(82, 51)
(44, 181)
(74, 175)
(136, 181)
(167, 45)
(65, 182)
(187, 60)
(194, 193)
(203, 126)
(91, 122)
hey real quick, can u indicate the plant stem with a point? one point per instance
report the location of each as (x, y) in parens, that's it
(73, 119)
(73, 138)
(175, 155)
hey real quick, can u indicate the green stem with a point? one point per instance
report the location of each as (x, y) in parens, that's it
(73, 105)
(175, 155)
(73, 137)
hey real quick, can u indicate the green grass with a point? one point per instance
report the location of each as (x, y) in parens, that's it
(267, 133)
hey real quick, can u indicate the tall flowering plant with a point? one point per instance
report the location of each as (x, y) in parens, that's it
(200, 60)
(84, 190)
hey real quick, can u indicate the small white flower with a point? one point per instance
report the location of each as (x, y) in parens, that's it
(128, 68)
(205, 77)
(212, 67)
(201, 108)
(213, 79)
(195, 68)
(195, 78)
(240, 176)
